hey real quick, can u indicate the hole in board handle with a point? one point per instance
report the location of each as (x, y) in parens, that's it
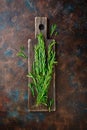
(41, 27)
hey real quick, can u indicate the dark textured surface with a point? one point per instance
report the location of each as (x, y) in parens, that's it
(16, 26)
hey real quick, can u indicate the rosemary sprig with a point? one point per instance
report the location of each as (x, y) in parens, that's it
(21, 53)
(53, 29)
(50, 103)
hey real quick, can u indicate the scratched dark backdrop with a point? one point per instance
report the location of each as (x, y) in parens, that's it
(16, 27)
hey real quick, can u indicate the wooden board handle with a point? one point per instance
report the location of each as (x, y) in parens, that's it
(41, 26)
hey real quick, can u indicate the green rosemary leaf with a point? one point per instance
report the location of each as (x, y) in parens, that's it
(56, 33)
(50, 104)
(22, 54)
(53, 29)
(30, 75)
(31, 88)
(22, 48)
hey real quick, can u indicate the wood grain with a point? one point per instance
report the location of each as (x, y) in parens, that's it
(41, 21)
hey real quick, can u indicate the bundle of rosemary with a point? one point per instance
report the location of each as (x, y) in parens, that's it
(42, 70)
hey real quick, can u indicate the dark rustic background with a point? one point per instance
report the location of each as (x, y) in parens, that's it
(16, 27)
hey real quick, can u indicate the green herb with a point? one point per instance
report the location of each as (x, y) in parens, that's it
(53, 29)
(42, 70)
(21, 53)
(50, 104)
(56, 33)
(22, 48)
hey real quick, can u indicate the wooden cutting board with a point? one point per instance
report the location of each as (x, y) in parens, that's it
(40, 26)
